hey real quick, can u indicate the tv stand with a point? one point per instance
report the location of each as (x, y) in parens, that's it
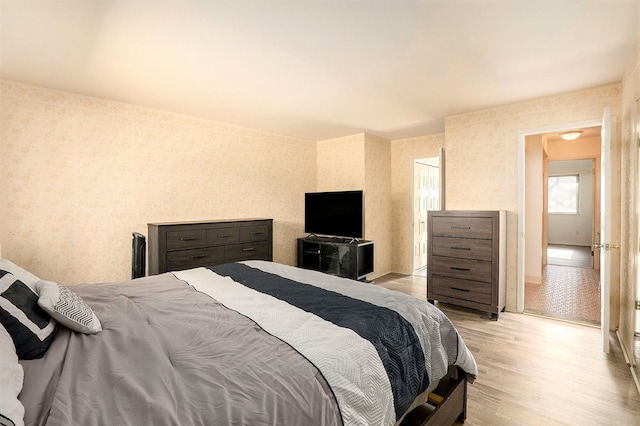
(344, 257)
(348, 240)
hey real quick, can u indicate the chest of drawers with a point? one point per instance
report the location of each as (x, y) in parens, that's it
(466, 259)
(182, 245)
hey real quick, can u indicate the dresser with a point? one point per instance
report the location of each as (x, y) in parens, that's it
(466, 259)
(183, 245)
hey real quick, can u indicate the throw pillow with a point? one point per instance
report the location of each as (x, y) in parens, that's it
(31, 328)
(66, 307)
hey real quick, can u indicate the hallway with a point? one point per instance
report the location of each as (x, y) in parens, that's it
(570, 288)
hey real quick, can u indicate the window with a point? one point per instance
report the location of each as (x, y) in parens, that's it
(563, 194)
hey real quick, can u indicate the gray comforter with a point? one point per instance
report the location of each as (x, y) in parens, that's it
(216, 353)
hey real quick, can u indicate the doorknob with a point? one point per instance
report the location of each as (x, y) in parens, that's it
(606, 246)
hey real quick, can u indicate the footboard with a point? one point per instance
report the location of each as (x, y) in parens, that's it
(446, 404)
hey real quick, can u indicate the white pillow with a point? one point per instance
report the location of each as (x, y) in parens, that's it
(11, 379)
(67, 308)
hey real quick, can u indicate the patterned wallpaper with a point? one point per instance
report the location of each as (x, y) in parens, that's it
(629, 193)
(403, 152)
(81, 174)
(357, 162)
(378, 201)
(341, 163)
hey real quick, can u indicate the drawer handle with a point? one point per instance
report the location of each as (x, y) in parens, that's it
(460, 227)
(459, 269)
(188, 239)
(198, 256)
(460, 248)
(255, 232)
(223, 236)
(460, 289)
(248, 249)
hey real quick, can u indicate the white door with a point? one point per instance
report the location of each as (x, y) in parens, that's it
(426, 196)
(605, 245)
(421, 173)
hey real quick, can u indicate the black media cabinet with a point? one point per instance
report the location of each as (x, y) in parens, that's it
(343, 257)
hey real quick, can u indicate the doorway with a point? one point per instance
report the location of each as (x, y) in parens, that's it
(426, 196)
(562, 197)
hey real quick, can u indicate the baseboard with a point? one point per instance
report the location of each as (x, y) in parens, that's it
(629, 359)
(532, 279)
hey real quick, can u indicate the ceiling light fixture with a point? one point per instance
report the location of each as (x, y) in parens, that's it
(569, 136)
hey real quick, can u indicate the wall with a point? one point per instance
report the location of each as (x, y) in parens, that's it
(403, 152)
(340, 164)
(534, 158)
(377, 189)
(574, 229)
(629, 188)
(481, 155)
(71, 168)
(362, 162)
(80, 174)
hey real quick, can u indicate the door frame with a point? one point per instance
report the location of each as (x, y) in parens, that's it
(521, 135)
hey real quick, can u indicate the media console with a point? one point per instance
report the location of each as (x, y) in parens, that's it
(344, 257)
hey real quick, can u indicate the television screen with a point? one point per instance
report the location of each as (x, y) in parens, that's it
(337, 214)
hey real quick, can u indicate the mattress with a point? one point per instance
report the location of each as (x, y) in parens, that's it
(245, 343)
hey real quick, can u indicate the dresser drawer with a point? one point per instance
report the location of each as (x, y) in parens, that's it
(185, 259)
(246, 251)
(469, 269)
(254, 233)
(467, 248)
(178, 240)
(462, 227)
(473, 291)
(220, 236)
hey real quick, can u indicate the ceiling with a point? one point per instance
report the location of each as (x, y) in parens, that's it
(319, 69)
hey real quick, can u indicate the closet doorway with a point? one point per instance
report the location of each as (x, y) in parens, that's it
(426, 196)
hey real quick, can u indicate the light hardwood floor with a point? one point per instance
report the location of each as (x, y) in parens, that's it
(538, 371)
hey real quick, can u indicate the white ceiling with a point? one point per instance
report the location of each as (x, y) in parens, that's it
(319, 69)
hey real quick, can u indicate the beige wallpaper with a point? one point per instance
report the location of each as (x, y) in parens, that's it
(481, 154)
(378, 201)
(80, 174)
(403, 152)
(362, 162)
(83, 173)
(341, 164)
(629, 190)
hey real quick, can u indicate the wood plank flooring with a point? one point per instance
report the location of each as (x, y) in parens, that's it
(538, 371)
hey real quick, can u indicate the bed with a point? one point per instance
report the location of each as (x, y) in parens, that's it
(246, 343)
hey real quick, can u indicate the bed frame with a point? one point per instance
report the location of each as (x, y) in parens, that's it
(445, 405)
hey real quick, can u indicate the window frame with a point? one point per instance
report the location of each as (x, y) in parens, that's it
(577, 193)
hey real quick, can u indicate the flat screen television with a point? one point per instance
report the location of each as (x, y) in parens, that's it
(336, 214)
